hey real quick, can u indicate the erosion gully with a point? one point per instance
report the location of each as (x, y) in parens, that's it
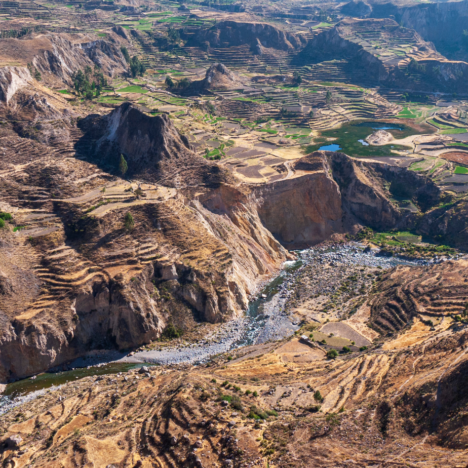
(264, 320)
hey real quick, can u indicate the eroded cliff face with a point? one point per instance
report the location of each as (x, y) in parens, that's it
(58, 56)
(301, 211)
(257, 35)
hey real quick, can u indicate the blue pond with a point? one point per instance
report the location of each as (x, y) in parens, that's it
(331, 147)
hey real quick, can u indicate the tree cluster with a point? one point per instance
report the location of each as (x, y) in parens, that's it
(89, 83)
(184, 83)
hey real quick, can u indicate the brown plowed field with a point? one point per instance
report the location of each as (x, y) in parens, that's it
(456, 157)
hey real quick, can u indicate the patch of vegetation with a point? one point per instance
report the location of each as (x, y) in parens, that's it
(461, 170)
(318, 396)
(347, 138)
(123, 166)
(129, 222)
(171, 332)
(133, 89)
(89, 83)
(257, 413)
(136, 67)
(333, 353)
(6, 216)
(406, 113)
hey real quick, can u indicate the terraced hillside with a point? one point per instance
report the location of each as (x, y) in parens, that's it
(392, 56)
(436, 292)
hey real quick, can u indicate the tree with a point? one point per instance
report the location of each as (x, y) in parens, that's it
(125, 53)
(184, 83)
(318, 396)
(139, 193)
(332, 354)
(297, 78)
(329, 96)
(2, 223)
(173, 35)
(169, 82)
(129, 223)
(123, 166)
(136, 67)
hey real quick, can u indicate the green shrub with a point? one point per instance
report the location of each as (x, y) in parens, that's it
(227, 398)
(2, 223)
(129, 222)
(332, 353)
(123, 166)
(318, 396)
(363, 348)
(6, 216)
(255, 394)
(171, 332)
(257, 413)
(345, 349)
(236, 403)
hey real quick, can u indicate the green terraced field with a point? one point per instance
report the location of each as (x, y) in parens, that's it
(461, 170)
(408, 114)
(133, 89)
(453, 131)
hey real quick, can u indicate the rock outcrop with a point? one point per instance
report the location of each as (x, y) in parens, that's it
(218, 76)
(152, 146)
(303, 210)
(13, 79)
(332, 193)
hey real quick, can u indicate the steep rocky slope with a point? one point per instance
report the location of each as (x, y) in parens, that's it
(376, 46)
(339, 194)
(257, 35)
(58, 56)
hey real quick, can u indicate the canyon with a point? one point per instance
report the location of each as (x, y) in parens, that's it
(233, 236)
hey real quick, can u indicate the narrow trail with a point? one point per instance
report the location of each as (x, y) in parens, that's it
(410, 449)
